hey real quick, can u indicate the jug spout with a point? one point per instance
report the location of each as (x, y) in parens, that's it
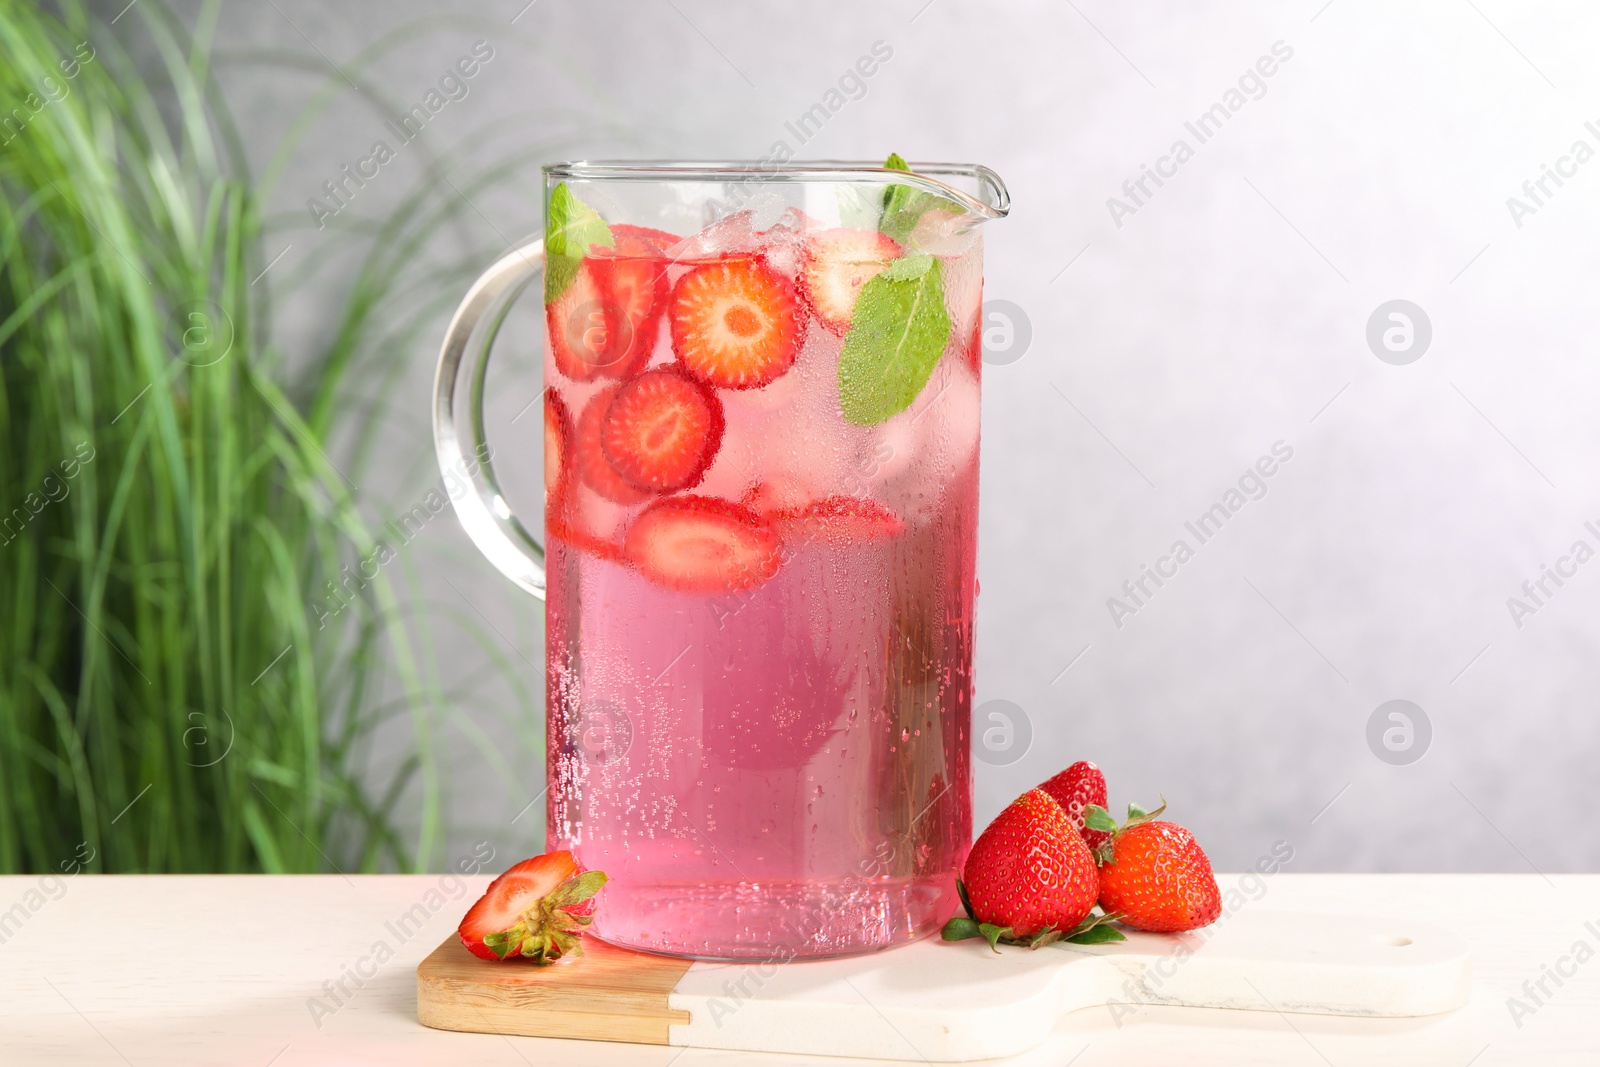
(975, 189)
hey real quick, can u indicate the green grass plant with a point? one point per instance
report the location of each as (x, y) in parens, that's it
(168, 507)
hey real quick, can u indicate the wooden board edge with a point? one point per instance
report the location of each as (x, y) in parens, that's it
(573, 1025)
(601, 1007)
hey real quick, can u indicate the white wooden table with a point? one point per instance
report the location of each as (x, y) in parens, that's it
(248, 970)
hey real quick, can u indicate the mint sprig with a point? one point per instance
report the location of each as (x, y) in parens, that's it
(904, 206)
(571, 228)
(898, 331)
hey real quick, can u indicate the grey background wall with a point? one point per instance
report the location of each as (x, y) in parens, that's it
(1174, 341)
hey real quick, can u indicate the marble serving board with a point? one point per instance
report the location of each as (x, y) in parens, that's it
(952, 1002)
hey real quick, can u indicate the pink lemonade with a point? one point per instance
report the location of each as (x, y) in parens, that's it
(760, 584)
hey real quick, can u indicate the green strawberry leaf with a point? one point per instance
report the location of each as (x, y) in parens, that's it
(959, 929)
(898, 331)
(1091, 931)
(1048, 935)
(993, 933)
(571, 227)
(1096, 918)
(576, 890)
(1137, 813)
(501, 943)
(1096, 935)
(1097, 818)
(961, 891)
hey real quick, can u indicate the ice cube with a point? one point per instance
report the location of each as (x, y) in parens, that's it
(733, 473)
(729, 236)
(918, 453)
(963, 292)
(943, 232)
(794, 221)
(784, 242)
(809, 451)
(594, 515)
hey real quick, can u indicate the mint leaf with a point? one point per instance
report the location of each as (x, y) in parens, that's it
(895, 196)
(903, 205)
(571, 226)
(897, 333)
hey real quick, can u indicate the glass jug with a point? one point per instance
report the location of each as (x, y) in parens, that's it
(761, 500)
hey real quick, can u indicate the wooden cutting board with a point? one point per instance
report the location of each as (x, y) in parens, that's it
(951, 1002)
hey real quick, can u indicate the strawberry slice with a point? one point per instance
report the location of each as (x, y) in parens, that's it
(777, 492)
(632, 278)
(590, 455)
(662, 430)
(660, 240)
(557, 445)
(701, 544)
(538, 909)
(588, 330)
(735, 323)
(974, 347)
(840, 519)
(837, 264)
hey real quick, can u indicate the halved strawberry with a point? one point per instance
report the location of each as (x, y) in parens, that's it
(557, 445)
(735, 323)
(590, 455)
(538, 909)
(840, 519)
(701, 544)
(837, 264)
(662, 430)
(632, 276)
(587, 328)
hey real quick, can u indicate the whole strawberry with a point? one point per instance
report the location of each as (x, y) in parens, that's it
(1030, 871)
(1075, 788)
(1156, 877)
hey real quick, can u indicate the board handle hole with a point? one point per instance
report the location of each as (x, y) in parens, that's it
(1392, 940)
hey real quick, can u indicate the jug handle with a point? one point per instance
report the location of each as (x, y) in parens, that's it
(458, 417)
